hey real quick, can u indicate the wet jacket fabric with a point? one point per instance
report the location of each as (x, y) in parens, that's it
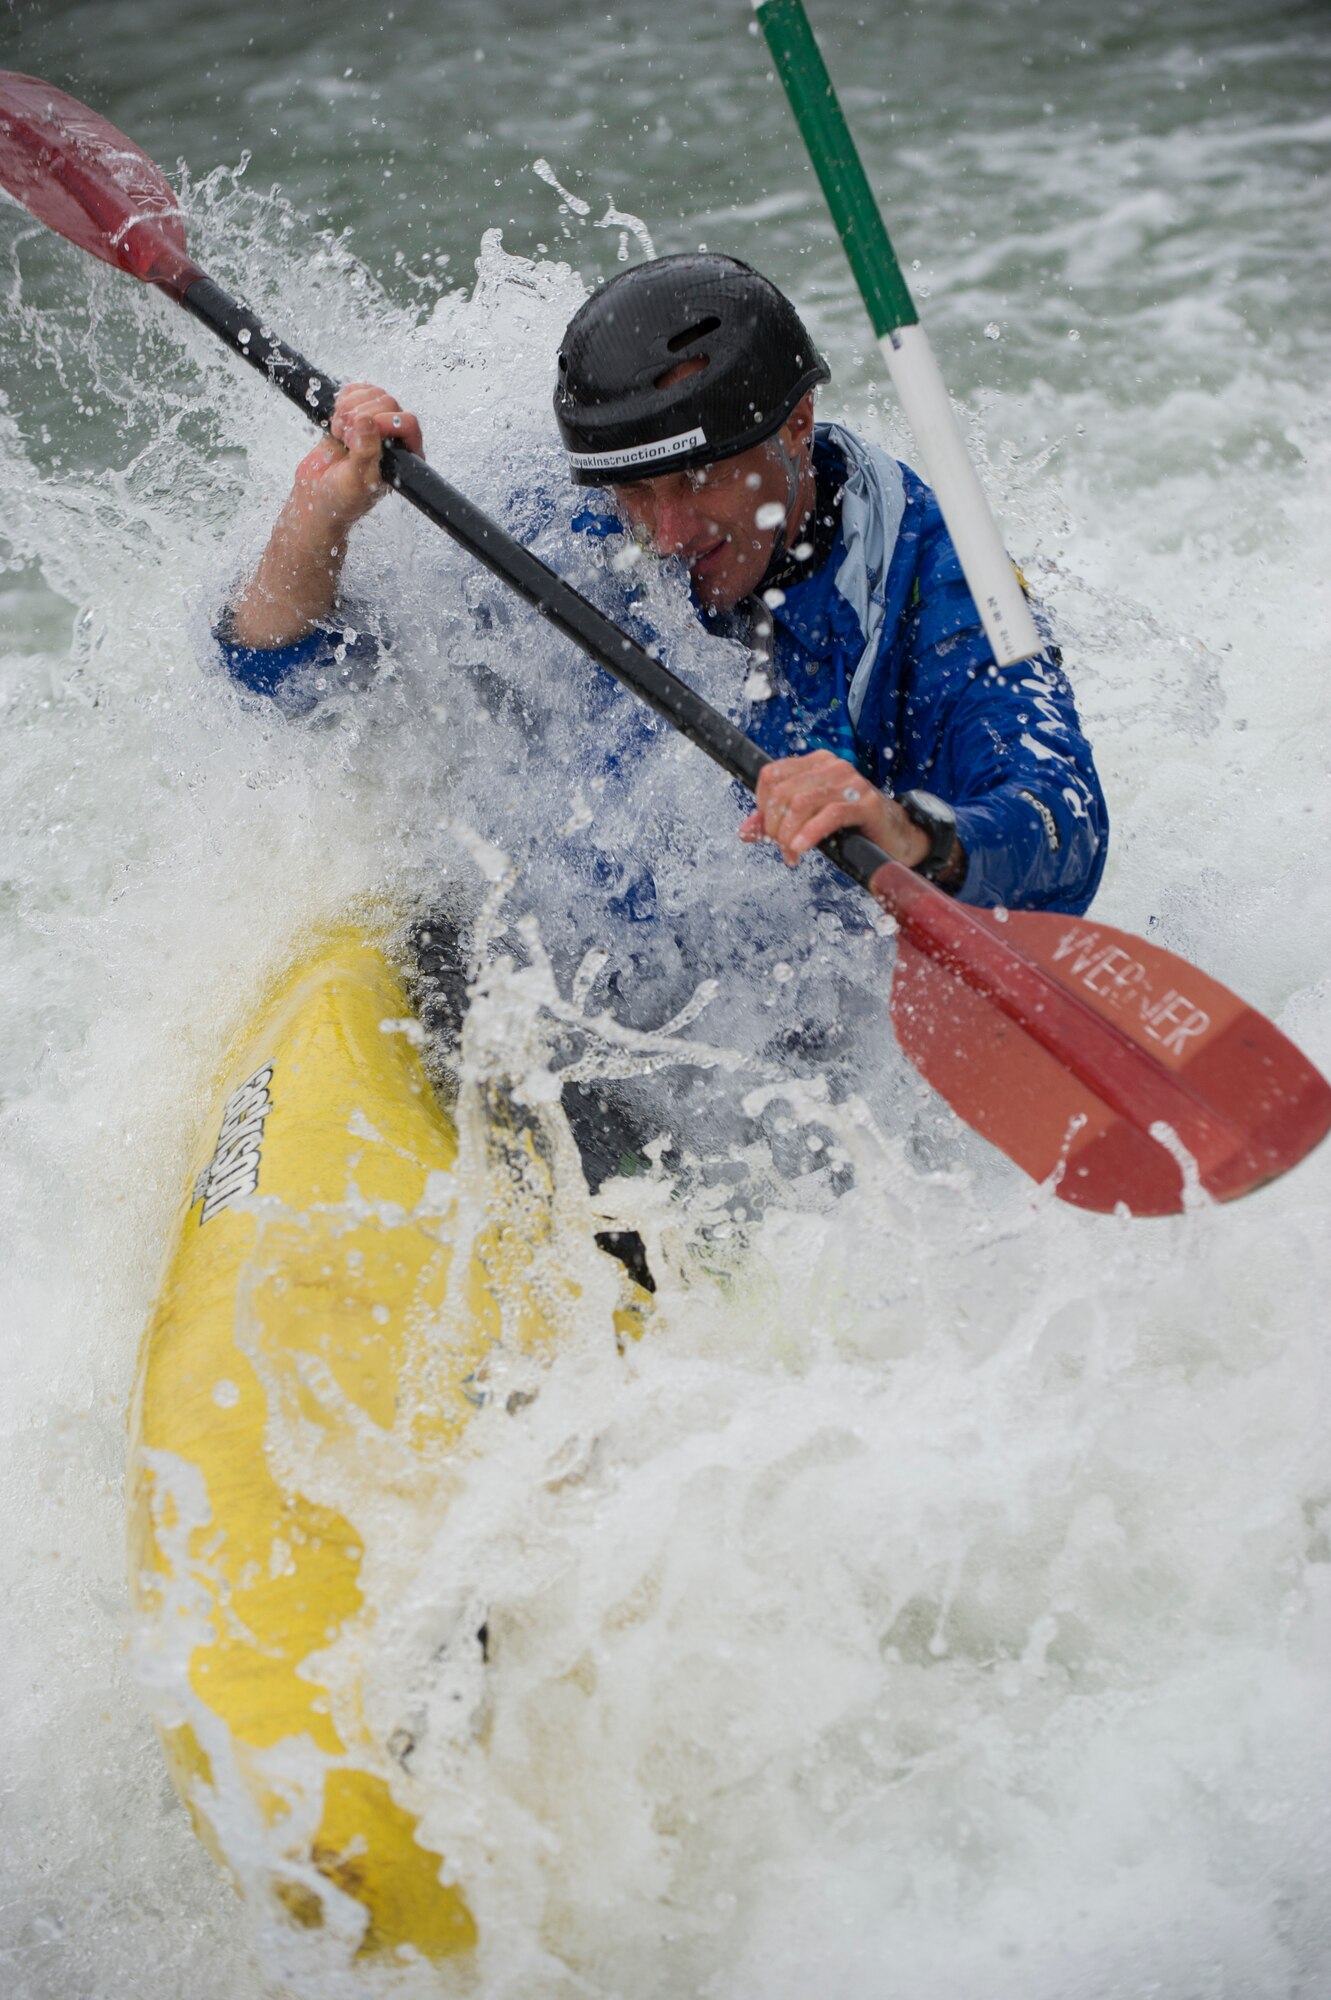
(879, 656)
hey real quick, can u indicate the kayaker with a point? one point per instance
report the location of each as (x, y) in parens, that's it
(685, 395)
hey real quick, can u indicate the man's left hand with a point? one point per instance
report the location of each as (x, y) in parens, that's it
(800, 800)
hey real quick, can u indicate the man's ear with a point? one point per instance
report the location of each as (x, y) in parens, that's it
(800, 421)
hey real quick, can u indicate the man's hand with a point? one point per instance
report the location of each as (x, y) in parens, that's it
(800, 800)
(339, 480)
(337, 483)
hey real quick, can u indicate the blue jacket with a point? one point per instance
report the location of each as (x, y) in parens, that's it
(880, 657)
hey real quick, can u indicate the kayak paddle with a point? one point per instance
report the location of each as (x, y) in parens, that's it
(1004, 612)
(1113, 1070)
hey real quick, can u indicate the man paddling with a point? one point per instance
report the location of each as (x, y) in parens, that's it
(685, 394)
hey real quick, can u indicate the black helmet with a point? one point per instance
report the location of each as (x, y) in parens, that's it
(619, 426)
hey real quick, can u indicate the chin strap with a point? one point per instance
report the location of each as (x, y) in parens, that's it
(793, 469)
(762, 633)
(760, 617)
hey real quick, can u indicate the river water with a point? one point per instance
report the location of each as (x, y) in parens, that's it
(977, 1554)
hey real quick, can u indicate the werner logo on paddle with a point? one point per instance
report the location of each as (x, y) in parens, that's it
(233, 1170)
(1110, 973)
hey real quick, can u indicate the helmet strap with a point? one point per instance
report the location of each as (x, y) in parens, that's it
(793, 470)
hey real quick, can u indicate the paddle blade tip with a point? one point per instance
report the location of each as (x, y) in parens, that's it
(76, 173)
(1176, 1120)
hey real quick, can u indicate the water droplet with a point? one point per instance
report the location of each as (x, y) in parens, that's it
(993, 331)
(225, 1394)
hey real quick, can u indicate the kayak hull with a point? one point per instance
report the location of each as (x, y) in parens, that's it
(318, 1333)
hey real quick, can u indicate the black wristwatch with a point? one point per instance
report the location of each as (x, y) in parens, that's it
(936, 818)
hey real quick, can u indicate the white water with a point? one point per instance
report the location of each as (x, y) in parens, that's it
(939, 1604)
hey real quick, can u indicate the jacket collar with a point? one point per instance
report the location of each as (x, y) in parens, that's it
(812, 610)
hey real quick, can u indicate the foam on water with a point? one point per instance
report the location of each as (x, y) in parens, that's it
(938, 1600)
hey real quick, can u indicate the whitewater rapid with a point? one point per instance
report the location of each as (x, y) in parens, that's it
(939, 1601)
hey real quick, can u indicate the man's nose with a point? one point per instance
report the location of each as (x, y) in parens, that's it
(678, 523)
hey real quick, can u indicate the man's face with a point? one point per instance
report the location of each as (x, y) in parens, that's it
(722, 519)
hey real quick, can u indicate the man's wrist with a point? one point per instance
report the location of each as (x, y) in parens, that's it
(943, 860)
(953, 872)
(315, 523)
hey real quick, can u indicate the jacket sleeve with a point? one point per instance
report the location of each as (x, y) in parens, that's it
(299, 676)
(336, 656)
(1003, 746)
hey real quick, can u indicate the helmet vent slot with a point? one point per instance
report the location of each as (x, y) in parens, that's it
(679, 371)
(692, 333)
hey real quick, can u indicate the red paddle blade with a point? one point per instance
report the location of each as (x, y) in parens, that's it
(80, 176)
(1094, 1058)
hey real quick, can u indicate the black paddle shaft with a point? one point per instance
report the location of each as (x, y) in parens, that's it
(557, 601)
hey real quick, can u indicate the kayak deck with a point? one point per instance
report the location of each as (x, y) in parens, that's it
(325, 1309)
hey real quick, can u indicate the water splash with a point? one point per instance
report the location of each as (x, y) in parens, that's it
(944, 1585)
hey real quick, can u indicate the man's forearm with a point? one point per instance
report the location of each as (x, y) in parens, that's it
(295, 586)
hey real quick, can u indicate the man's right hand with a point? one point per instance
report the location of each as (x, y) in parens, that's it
(339, 480)
(295, 586)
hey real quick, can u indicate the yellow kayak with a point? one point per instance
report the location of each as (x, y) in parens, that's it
(323, 1315)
